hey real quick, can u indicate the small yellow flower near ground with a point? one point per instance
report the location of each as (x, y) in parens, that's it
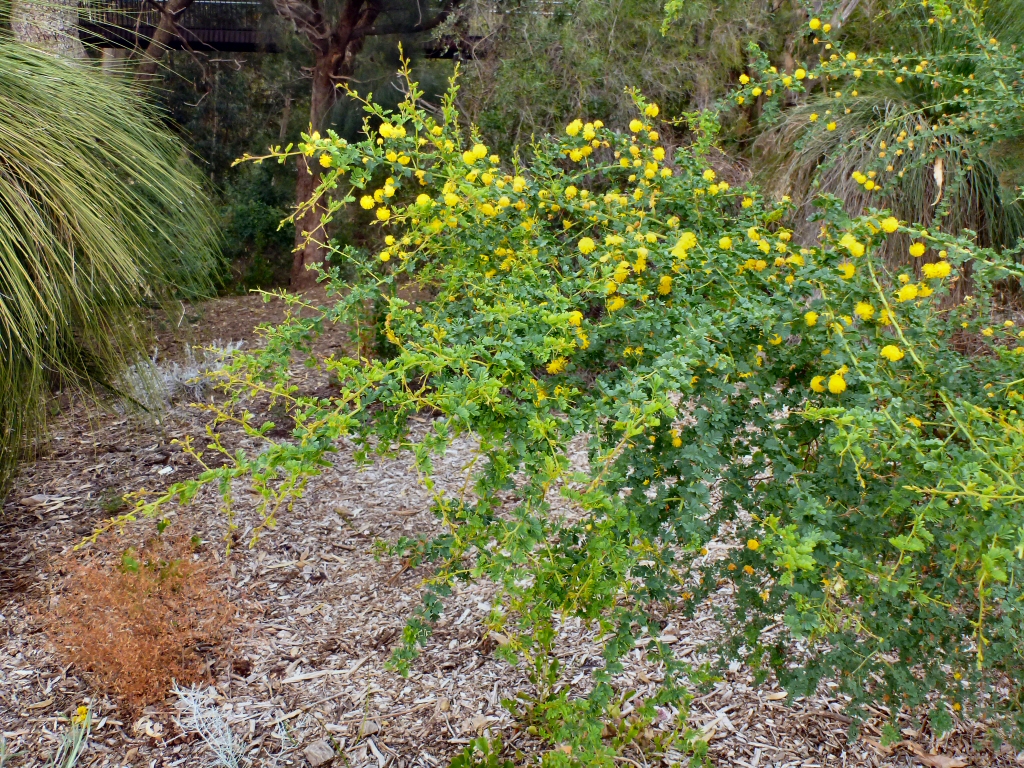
(814, 24)
(744, 79)
(708, 175)
(818, 383)
(635, 126)
(651, 110)
(753, 544)
(468, 157)
(747, 202)
(907, 293)
(892, 353)
(847, 270)
(831, 126)
(864, 310)
(936, 270)
(574, 127)
(665, 285)
(366, 202)
(756, 91)
(915, 421)
(725, 243)
(385, 256)
(677, 442)
(890, 225)
(575, 318)
(836, 384)
(420, 200)
(753, 234)
(687, 240)
(988, 332)
(557, 365)
(326, 160)
(811, 318)
(826, 28)
(800, 73)
(383, 214)
(586, 245)
(451, 199)
(616, 303)
(917, 250)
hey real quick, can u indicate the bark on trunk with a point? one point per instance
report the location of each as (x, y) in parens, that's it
(51, 25)
(310, 235)
(165, 32)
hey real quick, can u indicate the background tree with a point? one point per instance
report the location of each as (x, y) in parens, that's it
(337, 35)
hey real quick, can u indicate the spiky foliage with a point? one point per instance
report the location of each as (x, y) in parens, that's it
(100, 213)
(935, 121)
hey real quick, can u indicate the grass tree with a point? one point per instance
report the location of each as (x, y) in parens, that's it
(100, 214)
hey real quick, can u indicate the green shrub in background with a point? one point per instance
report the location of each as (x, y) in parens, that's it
(933, 130)
(99, 215)
(858, 444)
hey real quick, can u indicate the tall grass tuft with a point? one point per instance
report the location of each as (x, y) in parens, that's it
(101, 213)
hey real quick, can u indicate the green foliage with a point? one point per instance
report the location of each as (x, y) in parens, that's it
(935, 121)
(540, 65)
(98, 215)
(857, 441)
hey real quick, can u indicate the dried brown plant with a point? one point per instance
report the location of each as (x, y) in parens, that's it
(138, 625)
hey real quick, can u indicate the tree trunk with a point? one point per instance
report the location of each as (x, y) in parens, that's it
(310, 236)
(51, 25)
(162, 37)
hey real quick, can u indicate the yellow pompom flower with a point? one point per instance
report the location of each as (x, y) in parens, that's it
(814, 24)
(687, 240)
(800, 74)
(586, 245)
(811, 318)
(574, 127)
(863, 310)
(818, 383)
(917, 250)
(831, 126)
(635, 126)
(366, 202)
(747, 202)
(814, 117)
(939, 269)
(616, 303)
(753, 545)
(892, 353)
(836, 384)
(383, 214)
(651, 110)
(744, 79)
(575, 318)
(451, 199)
(847, 270)
(725, 243)
(708, 175)
(421, 200)
(907, 293)
(665, 285)
(756, 91)
(557, 365)
(468, 157)
(890, 225)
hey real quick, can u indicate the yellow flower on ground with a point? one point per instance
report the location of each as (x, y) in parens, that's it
(818, 383)
(814, 24)
(800, 73)
(708, 175)
(586, 245)
(744, 79)
(574, 127)
(831, 126)
(687, 240)
(907, 293)
(890, 225)
(854, 246)
(892, 353)
(756, 91)
(915, 421)
(836, 384)
(420, 200)
(575, 318)
(988, 332)
(725, 243)
(747, 202)
(917, 250)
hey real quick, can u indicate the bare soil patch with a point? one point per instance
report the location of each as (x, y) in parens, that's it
(321, 614)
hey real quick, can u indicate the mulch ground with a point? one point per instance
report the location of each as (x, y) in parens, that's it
(320, 614)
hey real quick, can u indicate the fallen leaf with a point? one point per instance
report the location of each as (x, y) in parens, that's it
(778, 696)
(41, 704)
(934, 761)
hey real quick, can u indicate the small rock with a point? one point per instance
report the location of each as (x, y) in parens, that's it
(319, 753)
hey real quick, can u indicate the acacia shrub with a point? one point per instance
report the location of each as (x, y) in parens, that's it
(802, 401)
